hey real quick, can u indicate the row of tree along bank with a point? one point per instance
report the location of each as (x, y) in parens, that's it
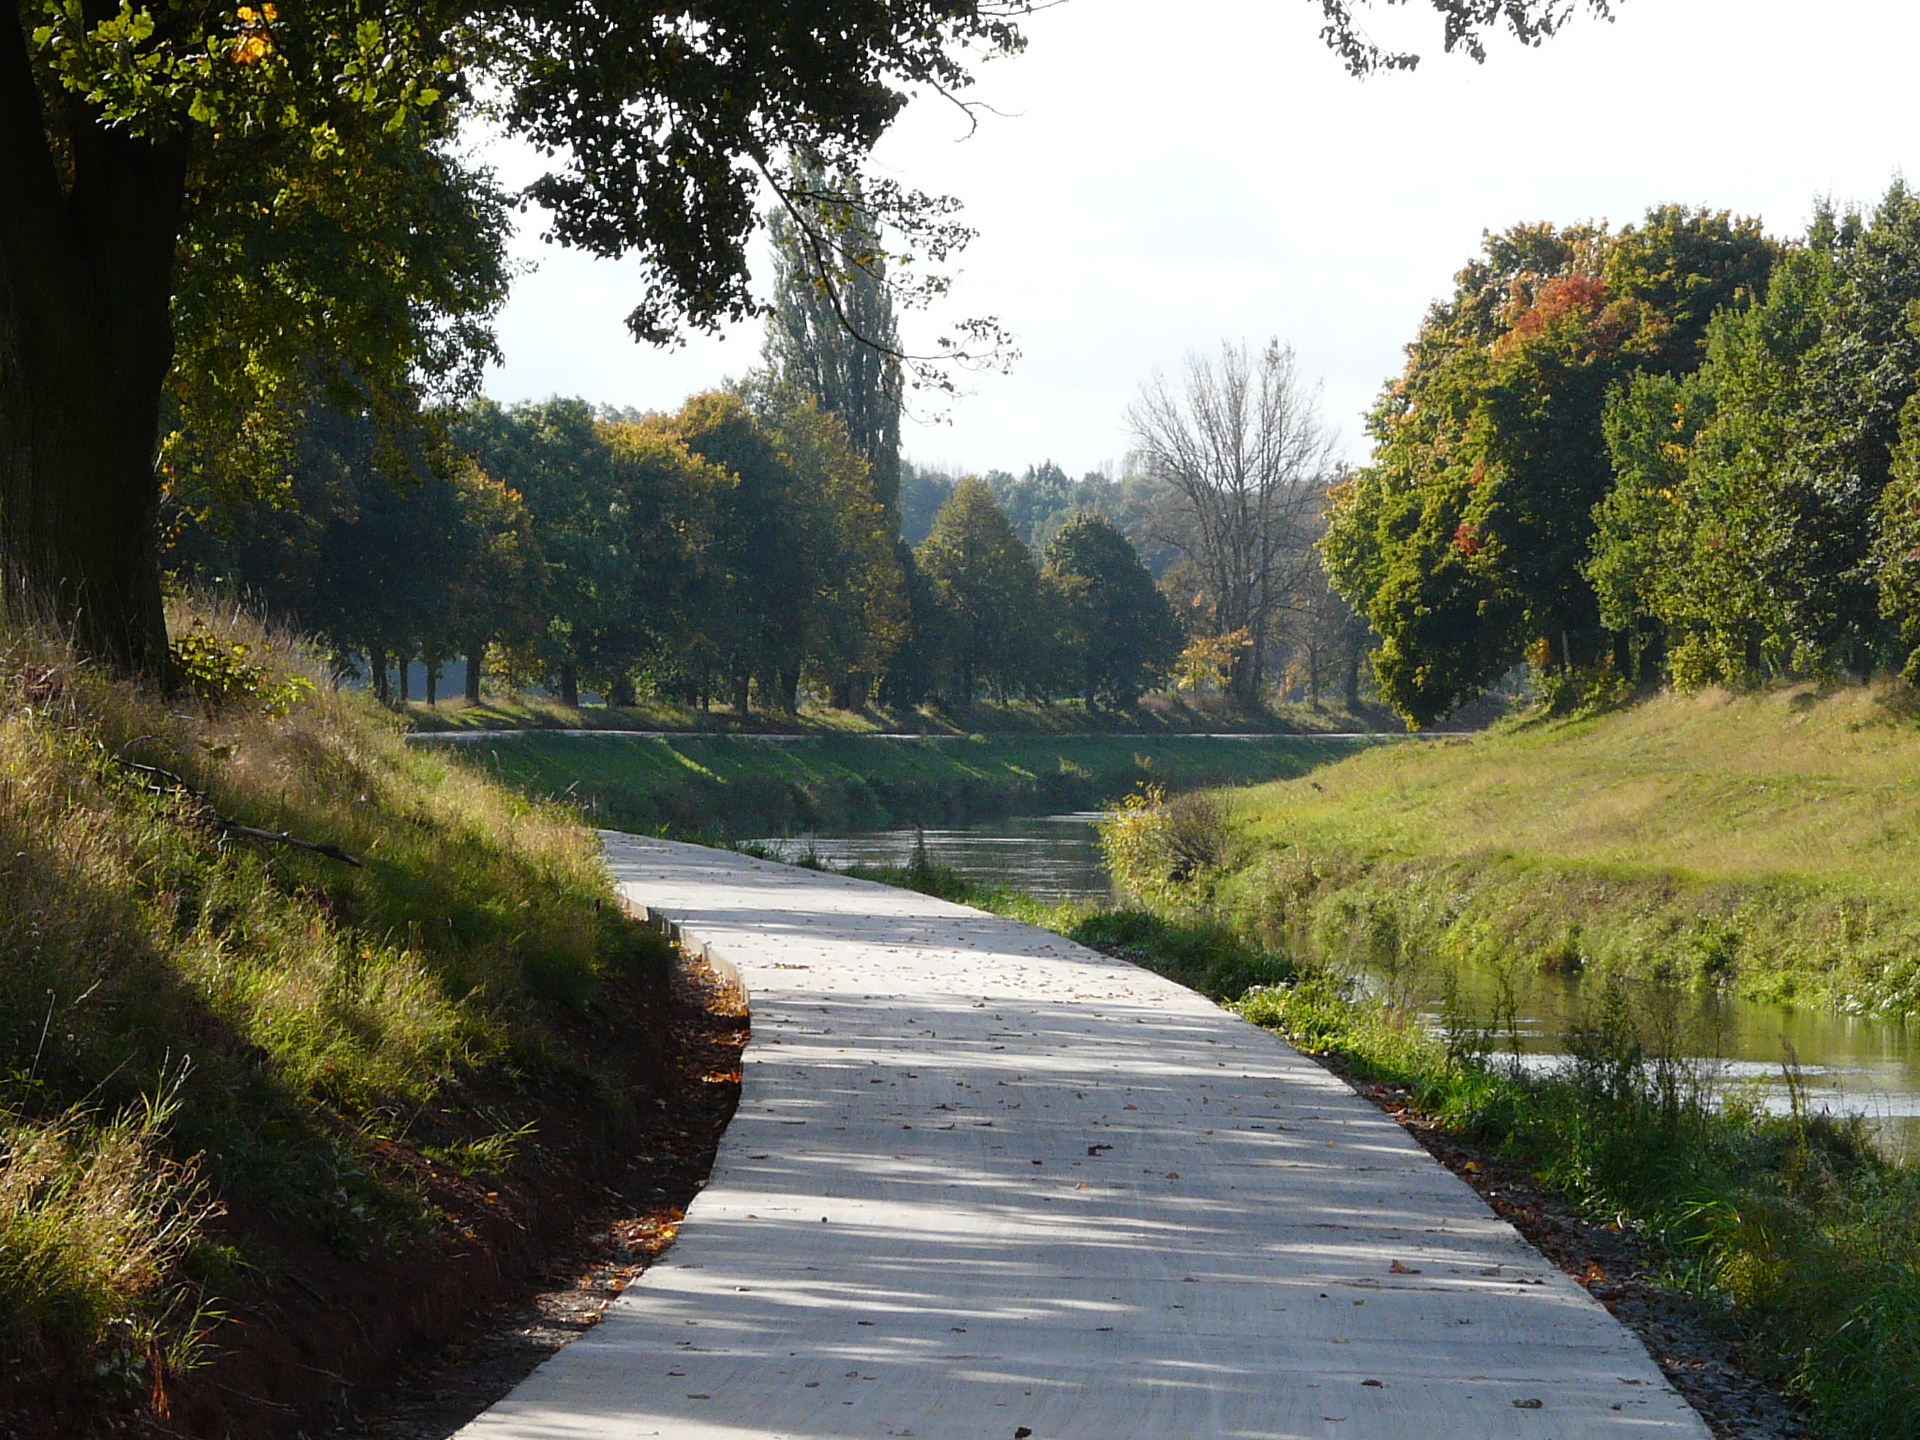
(1684, 451)
(768, 541)
(732, 552)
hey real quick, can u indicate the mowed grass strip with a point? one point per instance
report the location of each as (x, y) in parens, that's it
(1786, 783)
(743, 787)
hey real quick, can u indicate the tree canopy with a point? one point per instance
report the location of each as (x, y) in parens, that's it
(276, 190)
(1465, 540)
(1682, 452)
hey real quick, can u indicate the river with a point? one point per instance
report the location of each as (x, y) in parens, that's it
(1848, 1064)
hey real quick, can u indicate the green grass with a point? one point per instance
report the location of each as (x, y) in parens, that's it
(1788, 784)
(1770, 843)
(743, 787)
(190, 1017)
(1159, 714)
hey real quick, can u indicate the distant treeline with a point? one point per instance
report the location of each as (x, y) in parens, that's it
(767, 542)
(734, 551)
(1684, 452)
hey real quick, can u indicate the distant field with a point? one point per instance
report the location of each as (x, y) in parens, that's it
(1767, 841)
(741, 786)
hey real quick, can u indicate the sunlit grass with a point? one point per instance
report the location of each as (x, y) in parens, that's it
(187, 1013)
(1788, 782)
(1766, 842)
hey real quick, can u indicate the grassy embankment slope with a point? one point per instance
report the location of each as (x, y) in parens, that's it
(247, 1079)
(1159, 714)
(740, 787)
(1770, 842)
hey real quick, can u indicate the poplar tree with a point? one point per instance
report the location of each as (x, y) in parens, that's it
(831, 330)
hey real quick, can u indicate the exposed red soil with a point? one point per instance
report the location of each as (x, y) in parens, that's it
(322, 1337)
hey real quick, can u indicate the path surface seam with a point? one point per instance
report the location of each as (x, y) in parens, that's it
(986, 1183)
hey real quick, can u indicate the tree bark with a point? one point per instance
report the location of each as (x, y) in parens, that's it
(570, 686)
(433, 682)
(86, 339)
(476, 665)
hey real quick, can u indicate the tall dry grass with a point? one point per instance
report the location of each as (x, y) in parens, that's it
(189, 1015)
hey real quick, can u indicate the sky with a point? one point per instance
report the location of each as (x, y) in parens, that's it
(1159, 178)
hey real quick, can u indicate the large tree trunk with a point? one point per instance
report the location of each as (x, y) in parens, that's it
(476, 666)
(86, 282)
(570, 686)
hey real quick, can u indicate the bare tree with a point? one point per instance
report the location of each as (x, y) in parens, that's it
(1245, 455)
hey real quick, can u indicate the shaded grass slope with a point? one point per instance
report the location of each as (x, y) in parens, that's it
(742, 787)
(1158, 714)
(220, 1052)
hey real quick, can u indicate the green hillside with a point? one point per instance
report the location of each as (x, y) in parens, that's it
(286, 1005)
(744, 787)
(1766, 841)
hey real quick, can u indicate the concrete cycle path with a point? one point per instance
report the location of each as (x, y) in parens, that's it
(984, 1183)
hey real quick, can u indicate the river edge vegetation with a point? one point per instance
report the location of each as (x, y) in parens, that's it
(1161, 713)
(294, 1014)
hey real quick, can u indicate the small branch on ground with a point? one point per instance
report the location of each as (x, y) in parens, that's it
(165, 782)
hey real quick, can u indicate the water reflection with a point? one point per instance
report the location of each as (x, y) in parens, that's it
(1850, 1064)
(1056, 857)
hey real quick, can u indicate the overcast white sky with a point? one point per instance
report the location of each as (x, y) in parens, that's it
(1166, 175)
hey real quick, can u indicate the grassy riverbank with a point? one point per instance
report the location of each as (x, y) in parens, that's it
(262, 1092)
(744, 787)
(1157, 714)
(1769, 843)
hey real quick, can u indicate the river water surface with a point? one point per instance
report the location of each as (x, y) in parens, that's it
(1847, 1064)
